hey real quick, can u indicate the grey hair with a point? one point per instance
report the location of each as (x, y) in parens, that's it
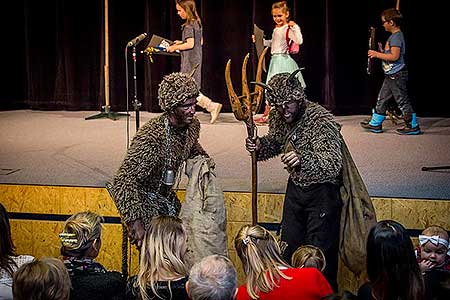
(213, 278)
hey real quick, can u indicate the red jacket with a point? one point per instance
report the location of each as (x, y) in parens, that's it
(306, 284)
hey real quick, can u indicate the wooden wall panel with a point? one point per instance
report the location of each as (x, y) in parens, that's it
(40, 237)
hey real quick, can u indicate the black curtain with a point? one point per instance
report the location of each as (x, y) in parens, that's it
(63, 54)
(57, 54)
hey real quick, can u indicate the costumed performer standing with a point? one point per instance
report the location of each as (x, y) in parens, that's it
(309, 140)
(326, 203)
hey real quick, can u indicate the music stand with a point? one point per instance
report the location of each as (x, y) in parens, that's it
(157, 45)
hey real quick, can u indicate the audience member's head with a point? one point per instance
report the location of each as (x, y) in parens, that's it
(81, 236)
(162, 253)
(213, 278)
(260, 254)
(42, 279)
(434, 246)
(391, 264)
(7, 248)
(309, 256)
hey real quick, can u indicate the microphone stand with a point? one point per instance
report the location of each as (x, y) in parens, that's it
(136, 103)
(106, 113)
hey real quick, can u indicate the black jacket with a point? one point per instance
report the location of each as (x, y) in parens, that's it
(98, 286)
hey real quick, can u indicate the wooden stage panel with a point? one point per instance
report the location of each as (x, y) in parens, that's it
(38, 213)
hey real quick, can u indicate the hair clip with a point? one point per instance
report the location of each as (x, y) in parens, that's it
(246, 240)
(68, 238)
(391, 226)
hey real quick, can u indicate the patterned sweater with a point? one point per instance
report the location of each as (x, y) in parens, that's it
(315, 136)
(136, 184)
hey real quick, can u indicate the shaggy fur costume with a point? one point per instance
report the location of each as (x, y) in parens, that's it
(316, 138)
(315, 135)
(175, 89)
(137, 182)
(284, 88)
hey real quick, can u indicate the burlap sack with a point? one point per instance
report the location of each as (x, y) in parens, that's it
(203, 211)
(357, 216)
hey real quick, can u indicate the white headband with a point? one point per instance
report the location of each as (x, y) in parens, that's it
(435, 240)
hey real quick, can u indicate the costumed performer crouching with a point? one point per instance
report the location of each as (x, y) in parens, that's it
(142, 186)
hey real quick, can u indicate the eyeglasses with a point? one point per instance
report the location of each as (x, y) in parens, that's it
(384, 21)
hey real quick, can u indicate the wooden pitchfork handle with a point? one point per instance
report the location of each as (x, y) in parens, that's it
(252, 134)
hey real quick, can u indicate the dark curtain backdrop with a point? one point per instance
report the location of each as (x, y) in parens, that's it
(55, 52)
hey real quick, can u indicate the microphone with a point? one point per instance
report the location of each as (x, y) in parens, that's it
(136, 40)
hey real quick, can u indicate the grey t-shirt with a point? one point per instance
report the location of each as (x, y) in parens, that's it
(190, 58)
(395, 40)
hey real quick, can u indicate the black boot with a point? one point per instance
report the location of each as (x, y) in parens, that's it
(411, 126)
(365, 122)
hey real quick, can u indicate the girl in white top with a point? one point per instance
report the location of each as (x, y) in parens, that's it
(9, 261)
(281, 61)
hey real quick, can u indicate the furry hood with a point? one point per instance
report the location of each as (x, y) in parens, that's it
(175, 89)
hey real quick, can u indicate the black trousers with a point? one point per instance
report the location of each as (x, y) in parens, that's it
(311, 216)
(395, 85)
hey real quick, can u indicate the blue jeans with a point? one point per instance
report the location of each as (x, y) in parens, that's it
(394, 85)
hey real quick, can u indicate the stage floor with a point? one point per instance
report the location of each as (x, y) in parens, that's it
(62, 148)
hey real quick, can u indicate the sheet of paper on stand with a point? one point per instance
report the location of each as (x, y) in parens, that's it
(159, 45)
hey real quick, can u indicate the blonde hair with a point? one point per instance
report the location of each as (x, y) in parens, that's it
(45, 278)
(436, 230)
(260, 255)
(81, 230)
(162, 252)
(309, 256)
(284, 8)
(191, 11)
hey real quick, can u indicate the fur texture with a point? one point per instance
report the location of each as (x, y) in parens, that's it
(284, 88)
(136, 184)
(315, 137)
(175, 89)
